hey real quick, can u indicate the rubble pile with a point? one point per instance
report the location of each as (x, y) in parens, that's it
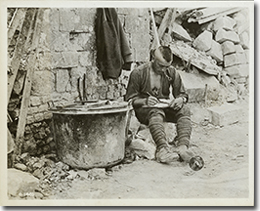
(213, 41)
(49, 176)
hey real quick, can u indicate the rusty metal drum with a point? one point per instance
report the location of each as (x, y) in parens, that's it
(88, 137)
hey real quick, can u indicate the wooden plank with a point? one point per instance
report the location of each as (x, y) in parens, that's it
(164, 25)
(190, 55)
(28, 82)
(19, 50)
(213, 17)
(16, 23)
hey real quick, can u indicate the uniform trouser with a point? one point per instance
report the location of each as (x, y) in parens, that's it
(154, 118)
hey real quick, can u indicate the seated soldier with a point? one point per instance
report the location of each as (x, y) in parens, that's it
(148, 85)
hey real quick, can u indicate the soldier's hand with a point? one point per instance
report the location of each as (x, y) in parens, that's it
(151, 101)
(177, 103)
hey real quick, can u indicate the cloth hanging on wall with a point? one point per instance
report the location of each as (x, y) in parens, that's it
(113, 51)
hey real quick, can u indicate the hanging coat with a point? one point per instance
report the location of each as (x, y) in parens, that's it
(113, 51)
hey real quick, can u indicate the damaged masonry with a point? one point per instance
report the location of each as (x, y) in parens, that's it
(71, 134)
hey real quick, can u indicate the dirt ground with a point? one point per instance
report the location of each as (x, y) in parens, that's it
(225, 151)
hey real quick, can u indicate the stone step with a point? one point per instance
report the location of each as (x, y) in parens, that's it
(195, 85)
(225, 114)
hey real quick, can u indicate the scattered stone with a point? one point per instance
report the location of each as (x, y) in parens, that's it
(225, 80)
(83, 174)
(203, 41)
(20, 182)
(20, 166)
(97, 173)
(241, 89)
(238, 70)
(215, 51)
(228, 47)
(225, 114)
(224, 22)
(234, 59)
(38, 173)
(143, 148)
(72, 175)
(223, 35)
(38, 195)
(179, 32)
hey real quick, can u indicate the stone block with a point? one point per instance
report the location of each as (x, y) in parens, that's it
(62, 79)
(60, 41)
(67, 19)
(54, 16)
(140, 47)
(43, 108)
(47, 115)
(86, 58)
(42, 83)
(234, 59)
(21, 182)
(44, 60)
(82, 41)
(195, 85)
(35, 100)
(30, 119)
(32, 110)
(39, 117)
(225, 114)
(84, 19)
(223, 35)
(64, 59)
(45, 99)
(203, 41)
(238, 70)
(224, 22)
(239, 49)
(244, 40)
(179, 32)
(215, 51)
(228, 47)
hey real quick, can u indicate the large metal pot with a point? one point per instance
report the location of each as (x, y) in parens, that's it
(90, 137)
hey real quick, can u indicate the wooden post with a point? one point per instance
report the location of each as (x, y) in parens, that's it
(28, 82)
(163, 26)
(19, 50)
(16, 23)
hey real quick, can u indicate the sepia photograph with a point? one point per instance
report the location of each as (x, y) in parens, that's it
(128, 104)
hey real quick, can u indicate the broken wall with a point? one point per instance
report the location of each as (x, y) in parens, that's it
(66, 51)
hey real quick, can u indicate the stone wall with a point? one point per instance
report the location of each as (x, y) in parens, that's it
(66, 51)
